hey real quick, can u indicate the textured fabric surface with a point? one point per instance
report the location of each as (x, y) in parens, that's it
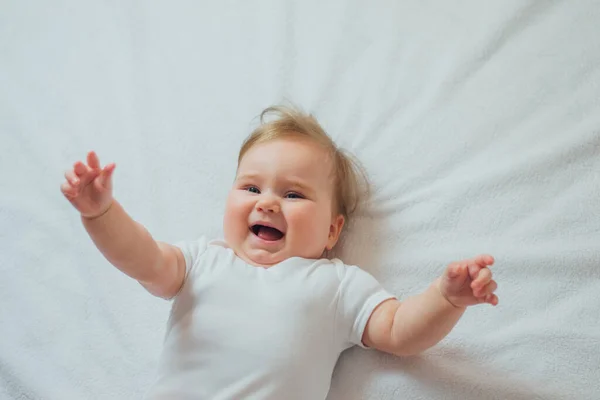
(478, 122)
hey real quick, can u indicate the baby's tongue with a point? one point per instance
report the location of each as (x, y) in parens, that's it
(266, 233)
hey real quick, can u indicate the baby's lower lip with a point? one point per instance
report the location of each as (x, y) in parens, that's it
(269, 241)
(265, 240)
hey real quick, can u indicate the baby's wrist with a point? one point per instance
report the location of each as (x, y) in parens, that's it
(444, 296)
(92, 217)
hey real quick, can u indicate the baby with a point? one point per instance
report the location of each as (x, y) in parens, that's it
(264, 314)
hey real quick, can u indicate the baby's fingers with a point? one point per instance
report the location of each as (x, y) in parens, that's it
(486, 290)
(481, 277)
(93, 160)
(68, 190)
(85, 173)
(483, 260)
(491, 299)
(80, 169)
(105, 179)
(72, 178)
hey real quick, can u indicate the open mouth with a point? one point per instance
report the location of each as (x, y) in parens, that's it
(266, 232)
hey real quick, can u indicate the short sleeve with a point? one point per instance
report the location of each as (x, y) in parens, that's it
(192, 251)
(359, 294)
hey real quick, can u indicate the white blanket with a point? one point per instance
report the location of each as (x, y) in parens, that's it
(478, 122)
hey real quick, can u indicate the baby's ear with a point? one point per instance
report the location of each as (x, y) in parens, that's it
(337, 223)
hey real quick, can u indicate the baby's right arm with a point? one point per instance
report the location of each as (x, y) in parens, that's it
(158, 266)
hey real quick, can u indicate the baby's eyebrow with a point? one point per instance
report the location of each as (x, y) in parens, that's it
(300, 184)
(246, 176)
(297, 182)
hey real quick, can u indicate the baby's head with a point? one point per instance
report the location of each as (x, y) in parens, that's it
(293, 192)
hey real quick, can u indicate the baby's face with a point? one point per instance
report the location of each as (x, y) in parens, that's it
(281, 203)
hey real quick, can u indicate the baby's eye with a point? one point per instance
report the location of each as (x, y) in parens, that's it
(293, 195)
(253, 189)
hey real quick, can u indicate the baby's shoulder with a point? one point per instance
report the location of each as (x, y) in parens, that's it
(336, 269)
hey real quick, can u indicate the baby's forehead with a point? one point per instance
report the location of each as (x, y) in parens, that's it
(285, 162)
(289, 152)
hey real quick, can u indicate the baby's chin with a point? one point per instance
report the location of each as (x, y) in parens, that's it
(262, 258)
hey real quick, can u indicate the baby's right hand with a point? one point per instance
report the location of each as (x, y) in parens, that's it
(89, 187)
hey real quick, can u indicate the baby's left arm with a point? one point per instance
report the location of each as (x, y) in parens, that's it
(409, 327)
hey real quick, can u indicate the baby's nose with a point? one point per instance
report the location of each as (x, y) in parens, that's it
(268, 205)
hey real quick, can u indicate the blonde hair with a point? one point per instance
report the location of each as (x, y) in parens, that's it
(350, 181)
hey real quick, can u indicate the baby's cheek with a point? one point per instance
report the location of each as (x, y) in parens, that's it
(234, 222)
(314, 227)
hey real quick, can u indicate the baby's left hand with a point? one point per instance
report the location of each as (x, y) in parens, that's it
(469, 282)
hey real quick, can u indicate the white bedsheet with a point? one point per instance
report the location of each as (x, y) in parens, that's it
(479, 123)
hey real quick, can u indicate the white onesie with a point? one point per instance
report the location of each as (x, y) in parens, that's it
(238, 331)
